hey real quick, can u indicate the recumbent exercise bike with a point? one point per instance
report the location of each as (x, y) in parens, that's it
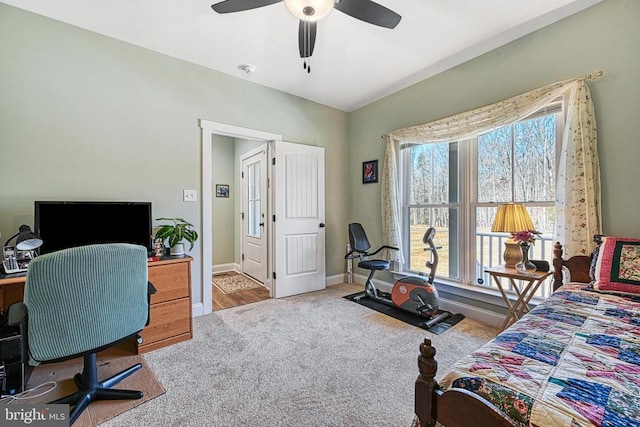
(415, 294)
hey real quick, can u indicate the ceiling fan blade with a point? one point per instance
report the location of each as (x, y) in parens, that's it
(306, 38)
(368, 11)
(229, 6)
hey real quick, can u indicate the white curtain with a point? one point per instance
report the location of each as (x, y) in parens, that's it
(578, 192)
(578, 215)
(391, 202)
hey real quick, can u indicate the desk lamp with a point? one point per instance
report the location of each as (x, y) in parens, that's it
(26, 240)
(512, 218)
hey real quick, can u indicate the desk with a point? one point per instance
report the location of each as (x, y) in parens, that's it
(170, 311)
(9, 279)
(521, 304)
(11, 289)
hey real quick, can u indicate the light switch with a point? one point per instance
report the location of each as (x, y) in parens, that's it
(189, 195)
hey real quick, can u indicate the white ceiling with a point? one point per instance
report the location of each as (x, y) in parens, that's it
(353, 64)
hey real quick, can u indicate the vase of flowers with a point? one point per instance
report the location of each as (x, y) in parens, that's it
(525, 239)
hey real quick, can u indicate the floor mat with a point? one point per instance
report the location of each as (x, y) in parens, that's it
(405, 316)
(110, 362)
(230, 283)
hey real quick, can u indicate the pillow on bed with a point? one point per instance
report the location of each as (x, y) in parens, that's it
(618, 265)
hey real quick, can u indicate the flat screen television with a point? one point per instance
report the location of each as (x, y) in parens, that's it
(63, 225)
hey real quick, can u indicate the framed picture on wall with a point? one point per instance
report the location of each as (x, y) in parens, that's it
(222, 190)
(369, 171)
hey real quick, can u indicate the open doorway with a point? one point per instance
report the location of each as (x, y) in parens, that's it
(239, 222)
(296, 245)
(239, 135)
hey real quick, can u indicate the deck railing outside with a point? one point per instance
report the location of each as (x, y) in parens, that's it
(489, 254)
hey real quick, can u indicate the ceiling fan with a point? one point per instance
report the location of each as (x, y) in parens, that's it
(310, 11)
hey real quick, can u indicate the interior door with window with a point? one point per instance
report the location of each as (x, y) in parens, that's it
(254, 212)
(299, 229)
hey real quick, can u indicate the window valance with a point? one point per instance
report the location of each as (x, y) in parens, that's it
(578, 184)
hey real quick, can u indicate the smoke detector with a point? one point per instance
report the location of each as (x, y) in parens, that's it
(247, 68)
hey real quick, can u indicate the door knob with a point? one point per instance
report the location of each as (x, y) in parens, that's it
(322, 225)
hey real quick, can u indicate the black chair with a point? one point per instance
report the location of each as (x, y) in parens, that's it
(78, 302)
(359, 247)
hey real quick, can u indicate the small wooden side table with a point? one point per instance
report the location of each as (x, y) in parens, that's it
(521, 304)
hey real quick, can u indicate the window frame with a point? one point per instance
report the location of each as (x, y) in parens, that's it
(467, 152)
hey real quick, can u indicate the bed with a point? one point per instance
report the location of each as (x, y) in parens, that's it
(574, 360)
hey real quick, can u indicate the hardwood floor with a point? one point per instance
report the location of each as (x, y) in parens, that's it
(222, 300)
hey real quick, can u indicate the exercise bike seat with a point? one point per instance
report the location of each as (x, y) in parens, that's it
(375, 264)
(359, 247)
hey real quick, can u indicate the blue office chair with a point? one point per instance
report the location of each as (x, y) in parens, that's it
(78, 302)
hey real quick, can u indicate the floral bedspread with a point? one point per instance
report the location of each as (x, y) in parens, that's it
(572, 361)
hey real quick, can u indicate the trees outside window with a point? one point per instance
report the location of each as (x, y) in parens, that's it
(457, 186)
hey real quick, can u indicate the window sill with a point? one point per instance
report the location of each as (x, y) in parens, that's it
(478, 293)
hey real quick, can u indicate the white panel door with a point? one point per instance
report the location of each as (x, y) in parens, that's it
(299, 228)
(254, 211)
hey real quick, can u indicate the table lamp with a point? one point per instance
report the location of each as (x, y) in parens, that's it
(512, 218)
(26, 240)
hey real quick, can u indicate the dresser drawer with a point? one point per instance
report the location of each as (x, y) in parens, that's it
(168, 319)
(170, 280)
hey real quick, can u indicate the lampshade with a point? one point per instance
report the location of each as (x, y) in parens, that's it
(512, 218)
(26, 240)
(310, 10)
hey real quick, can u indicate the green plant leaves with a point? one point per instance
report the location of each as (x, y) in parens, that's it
(190, 236)
(176, 233)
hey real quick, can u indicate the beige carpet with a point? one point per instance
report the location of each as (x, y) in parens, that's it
(109, 363)
(310, 360)
(230, 283)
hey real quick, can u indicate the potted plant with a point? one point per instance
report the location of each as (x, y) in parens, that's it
(175, 233)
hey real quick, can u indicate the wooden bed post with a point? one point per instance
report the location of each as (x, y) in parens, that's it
(426, 384)
(557, 266)
(455, 407)
(577, 265)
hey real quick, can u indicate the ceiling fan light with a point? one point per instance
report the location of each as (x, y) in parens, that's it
(310, 10)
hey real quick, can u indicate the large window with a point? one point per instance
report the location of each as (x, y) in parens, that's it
(457, 186)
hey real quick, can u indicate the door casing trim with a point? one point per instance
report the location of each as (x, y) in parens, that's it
(209, 130)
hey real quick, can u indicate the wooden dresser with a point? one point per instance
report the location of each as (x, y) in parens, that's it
(170, 317)
(170, 306)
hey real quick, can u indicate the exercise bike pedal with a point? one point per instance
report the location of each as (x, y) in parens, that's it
(384, 295)
(362, 295)
(424, 308)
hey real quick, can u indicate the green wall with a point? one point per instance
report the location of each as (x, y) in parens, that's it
(98, 119)
(226, 211)
(226, 169)
(605, 36)
(223, 209)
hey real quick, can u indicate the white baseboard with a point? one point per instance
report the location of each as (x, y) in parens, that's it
(197, 309)
(480, 314)
(487, 317)
(223, 268)
(336, 279)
